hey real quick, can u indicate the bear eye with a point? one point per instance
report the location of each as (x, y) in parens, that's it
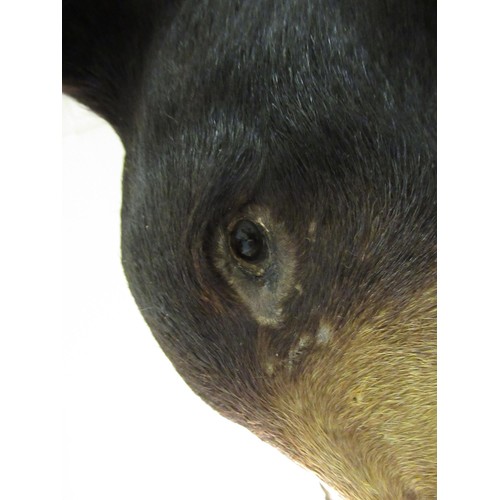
(248, 241)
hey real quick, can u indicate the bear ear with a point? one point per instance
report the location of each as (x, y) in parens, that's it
(104, 46)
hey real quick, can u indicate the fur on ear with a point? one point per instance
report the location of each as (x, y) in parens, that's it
(104, 46)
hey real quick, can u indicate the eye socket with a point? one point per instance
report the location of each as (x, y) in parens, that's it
(248, 241)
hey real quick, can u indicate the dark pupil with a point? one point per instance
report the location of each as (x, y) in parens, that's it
(247, 241)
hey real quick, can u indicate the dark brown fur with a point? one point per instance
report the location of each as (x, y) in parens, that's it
(316, 121)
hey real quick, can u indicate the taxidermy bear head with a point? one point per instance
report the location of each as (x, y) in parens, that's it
(278, 220)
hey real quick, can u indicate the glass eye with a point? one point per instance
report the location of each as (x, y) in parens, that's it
(248, 241)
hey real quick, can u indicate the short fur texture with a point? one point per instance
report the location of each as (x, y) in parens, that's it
(317, 120)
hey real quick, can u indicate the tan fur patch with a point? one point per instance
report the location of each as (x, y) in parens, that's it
(362, 413)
